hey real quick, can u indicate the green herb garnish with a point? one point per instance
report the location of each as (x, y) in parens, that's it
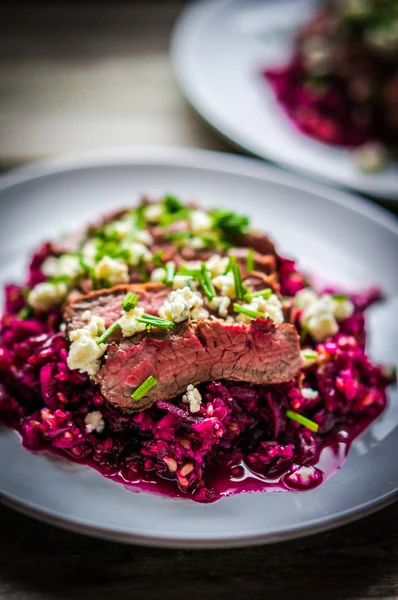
(230, 223)
(250, 260)
(267, 293)
(309, 354)
(153, 321)
(340, 297)
(183, 270)
(170, 218)
(58, 279)
(302, 420)
(130, 301)
(206, 282)
(248, 311)
(178, 235)
(172, 204)
(25, 313)
(143, 272)
(157, 258)
(144, 388)
(170, 272)
(108, 332)
(239, 288)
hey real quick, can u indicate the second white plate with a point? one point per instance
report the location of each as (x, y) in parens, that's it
(220, 48)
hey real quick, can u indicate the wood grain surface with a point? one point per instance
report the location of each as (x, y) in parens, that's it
(77, 76)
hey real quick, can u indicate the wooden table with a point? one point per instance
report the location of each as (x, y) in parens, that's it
(76, 76)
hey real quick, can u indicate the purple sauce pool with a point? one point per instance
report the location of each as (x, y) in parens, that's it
(239, 478)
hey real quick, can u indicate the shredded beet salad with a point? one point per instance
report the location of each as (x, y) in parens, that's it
(217, 436)
(341, 84)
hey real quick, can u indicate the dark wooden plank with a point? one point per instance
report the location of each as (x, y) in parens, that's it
(355, 562)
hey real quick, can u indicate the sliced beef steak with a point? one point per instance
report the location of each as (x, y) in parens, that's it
(108, 303)
(194, 352)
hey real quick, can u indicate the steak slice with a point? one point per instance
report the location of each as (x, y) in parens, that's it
(194, 352)
(107, 303)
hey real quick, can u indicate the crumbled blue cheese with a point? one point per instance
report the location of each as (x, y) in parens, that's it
(200, 221)
(84, 352)
(138, 253)
(309, 393)
(46, 295)
(143, 237)
(193, 398)
(303, 475)
(321, 313)
(342, 308)
(129, 324)
(181, 281)
(153, 213)
(89, 252)
(217, 265)
(225, 284)
(66, 265)
(113, 270)
(193, 265)
(183, 304)
(158, 275)
(196, 243)
(121, 228)
(305, 298)
(271, 307)
(94, 421)
(221, 305)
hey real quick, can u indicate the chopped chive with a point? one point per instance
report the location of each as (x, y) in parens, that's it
(302, 420)
(248, 312)
(267, 293)
(305, 330)
(108, 332)
(58, 279)
(309, 354)
(25, 313)
(206, 282)
(170, 272)
(144, 388)
(191, 272)
(231, 262)
(130, 301)
(340, 297)
(239, 291)
(155, 321)
(143, 272)
(209, 241)
(138, 216)
(170, 218)
(157, 258)
(230, 223)
(172, 204)
(250, 260)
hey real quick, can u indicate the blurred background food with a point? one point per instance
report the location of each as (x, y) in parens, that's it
(341, 85)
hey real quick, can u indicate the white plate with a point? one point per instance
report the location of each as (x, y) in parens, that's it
(331, 232)
(220, 48)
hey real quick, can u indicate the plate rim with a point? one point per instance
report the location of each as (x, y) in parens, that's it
(215, 162)
(188, 22)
